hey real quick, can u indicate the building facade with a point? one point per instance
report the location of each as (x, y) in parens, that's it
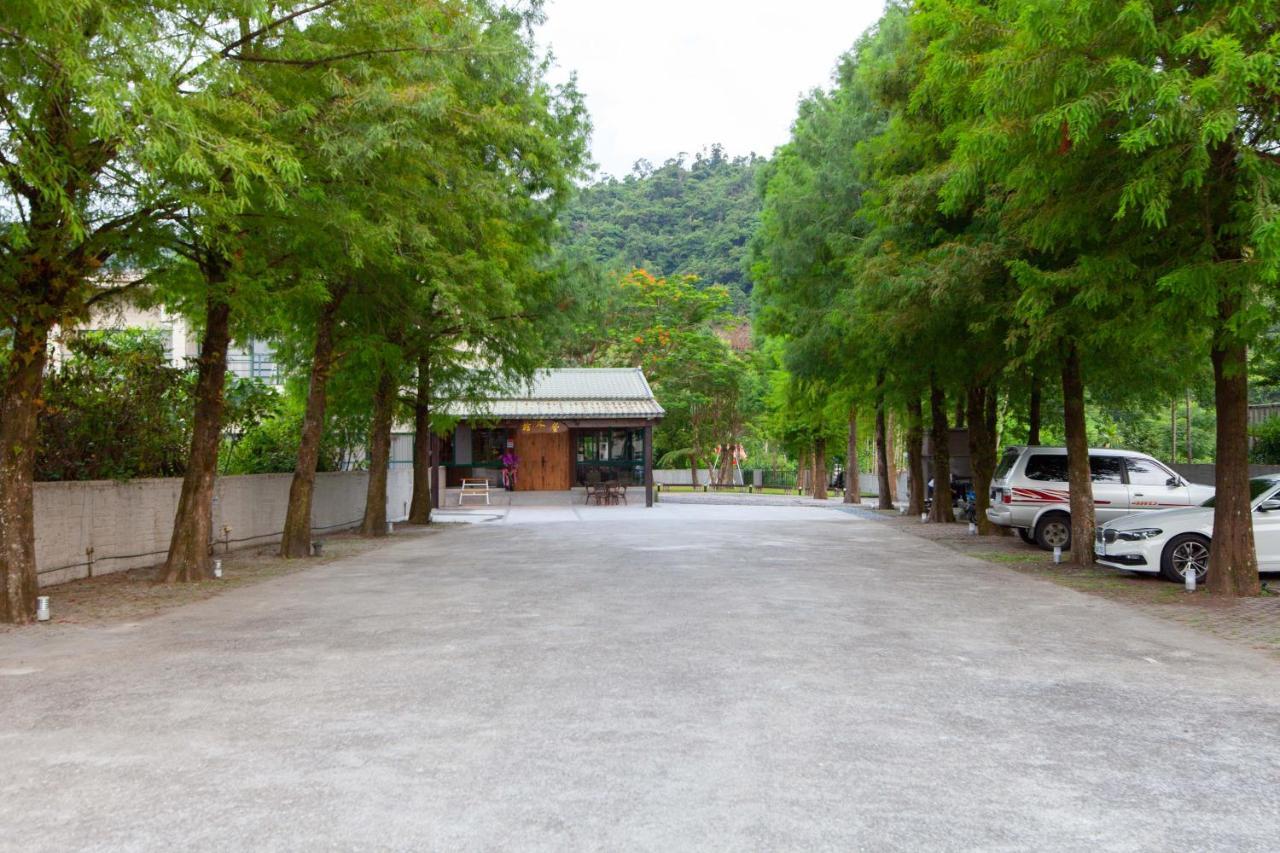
(568, 427)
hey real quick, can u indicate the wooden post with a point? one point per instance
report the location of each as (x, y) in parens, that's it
(648, 464)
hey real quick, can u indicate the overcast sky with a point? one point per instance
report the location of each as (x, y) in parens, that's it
(666, 76)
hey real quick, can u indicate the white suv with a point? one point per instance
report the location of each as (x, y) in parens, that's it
(1029, 491)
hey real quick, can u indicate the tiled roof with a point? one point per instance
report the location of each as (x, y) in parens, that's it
(576, 393)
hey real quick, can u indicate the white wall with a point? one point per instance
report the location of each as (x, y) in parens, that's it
(128, 524)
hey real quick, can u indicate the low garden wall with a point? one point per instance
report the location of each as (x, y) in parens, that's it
(101, 527)
(1204, 474)
(683, 477)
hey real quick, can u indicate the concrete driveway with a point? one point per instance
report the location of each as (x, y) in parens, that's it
(690, 678)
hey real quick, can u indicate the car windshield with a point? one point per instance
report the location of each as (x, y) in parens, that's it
(1256, 488)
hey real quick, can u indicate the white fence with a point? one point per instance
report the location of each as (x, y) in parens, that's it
(101, 527)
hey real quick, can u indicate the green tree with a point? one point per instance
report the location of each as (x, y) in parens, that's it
(1140, 139)
(681, 218)
(101, 102)
(677, 332)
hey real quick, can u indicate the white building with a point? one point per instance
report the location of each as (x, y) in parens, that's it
(255, 360)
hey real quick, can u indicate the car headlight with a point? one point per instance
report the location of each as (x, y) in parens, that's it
(1139, 534)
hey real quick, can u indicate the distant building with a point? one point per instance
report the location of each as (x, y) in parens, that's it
(568, 427)
(255, 360)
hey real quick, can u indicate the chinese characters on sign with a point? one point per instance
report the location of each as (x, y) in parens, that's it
(552, 427)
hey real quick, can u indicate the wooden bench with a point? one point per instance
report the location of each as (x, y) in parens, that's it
(474, 488)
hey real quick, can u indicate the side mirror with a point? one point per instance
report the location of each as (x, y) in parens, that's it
(1269, 506)
(1173, 482)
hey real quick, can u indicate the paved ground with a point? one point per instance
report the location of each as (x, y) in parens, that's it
(693, 677)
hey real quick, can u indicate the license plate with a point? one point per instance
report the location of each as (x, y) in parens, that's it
(1100, 549)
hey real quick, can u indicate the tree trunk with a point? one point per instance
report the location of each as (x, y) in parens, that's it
(1190, 452)
(852, 488)
(297, 523)
(820, 469)
(192, 541)
(1233, 562)
(941, 510)
(1033, 413)
(884, 487)
(693, 470)
(891, 455)
(725, 472)
(982, 450)
(804, 471)
(1080, 481)
(915, 456)
(420, 507)
(19, 410)
(375, 503)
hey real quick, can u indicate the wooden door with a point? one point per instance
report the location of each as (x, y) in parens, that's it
(546, 463)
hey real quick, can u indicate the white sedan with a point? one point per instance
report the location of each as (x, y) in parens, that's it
(1174, 542)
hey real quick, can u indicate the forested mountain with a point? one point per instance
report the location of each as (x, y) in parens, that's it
(682, 218)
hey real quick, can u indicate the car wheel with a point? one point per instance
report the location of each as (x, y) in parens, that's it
(1054, 531)
(1027, 535)
(1189, 551)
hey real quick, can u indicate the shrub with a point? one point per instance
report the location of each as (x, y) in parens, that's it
(270, 446)
(1266, 442)
(114, 408)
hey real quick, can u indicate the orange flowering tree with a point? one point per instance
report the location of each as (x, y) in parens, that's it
(677, 333)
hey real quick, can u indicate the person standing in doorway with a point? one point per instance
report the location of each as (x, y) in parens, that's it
(510, 464)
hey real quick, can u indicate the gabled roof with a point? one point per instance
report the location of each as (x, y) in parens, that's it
(572, 393)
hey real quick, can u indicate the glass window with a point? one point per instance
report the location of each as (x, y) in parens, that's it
(618, 445)
(488, 445)
(587, 447)
(1006, 463)
(1047, 469)
(1106, 469)
(1145, 472)
(1257, 487)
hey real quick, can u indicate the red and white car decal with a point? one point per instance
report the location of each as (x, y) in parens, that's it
(1039, 497)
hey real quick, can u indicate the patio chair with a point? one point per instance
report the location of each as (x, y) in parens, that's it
(595, 489)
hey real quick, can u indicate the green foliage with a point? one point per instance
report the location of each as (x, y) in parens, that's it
(1266, 442)
(988, 184)
(676, 332)
(679, 219)
(268, 443)
(114, 409)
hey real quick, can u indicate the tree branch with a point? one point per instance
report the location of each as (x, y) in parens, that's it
(227, 51)
(355, 54)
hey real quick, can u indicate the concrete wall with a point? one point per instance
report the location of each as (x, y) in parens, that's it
(1205, 473)
(128, 524)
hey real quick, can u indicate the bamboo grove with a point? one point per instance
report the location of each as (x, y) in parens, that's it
(1003, 199)
(372, 183)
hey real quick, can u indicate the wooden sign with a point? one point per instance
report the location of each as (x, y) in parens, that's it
(543, 427)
